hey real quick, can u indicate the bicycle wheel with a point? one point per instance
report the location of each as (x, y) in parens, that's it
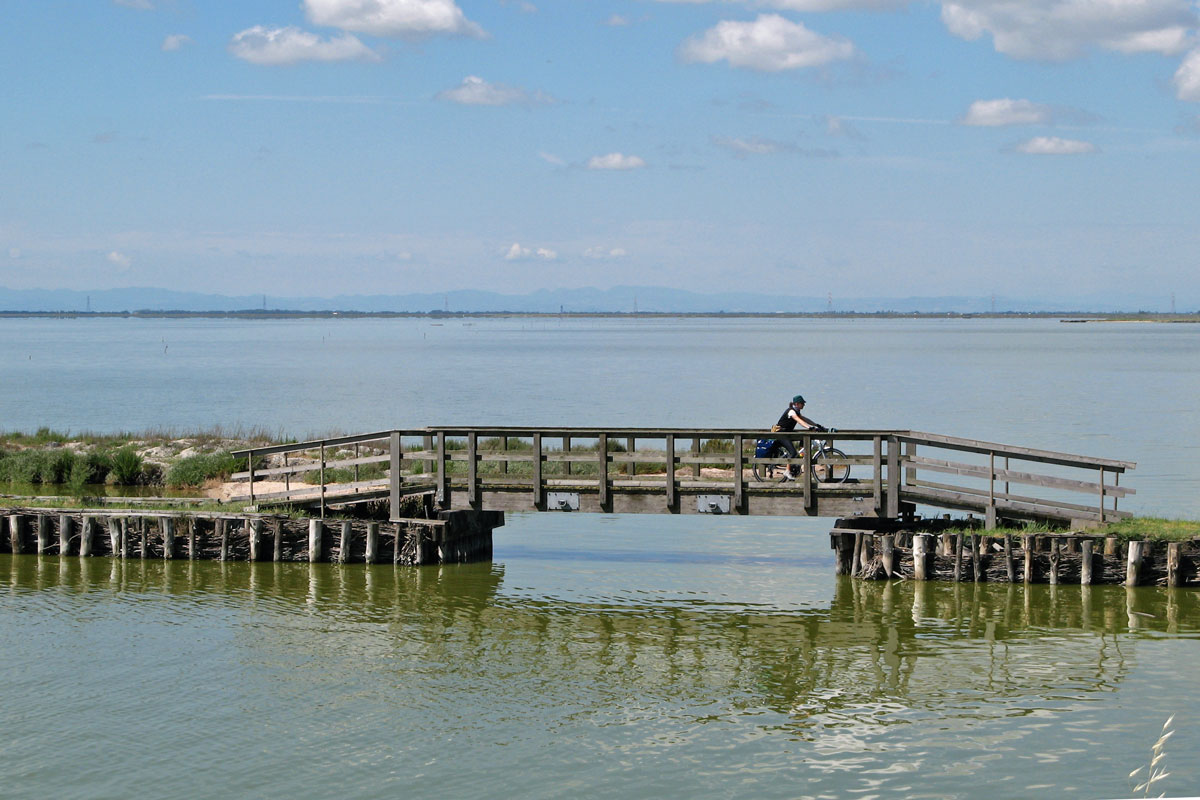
(829, 466)
(769, 472)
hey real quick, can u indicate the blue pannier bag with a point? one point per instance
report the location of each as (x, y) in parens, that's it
(765, 448)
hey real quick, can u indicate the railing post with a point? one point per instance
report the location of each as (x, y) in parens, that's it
(443, 472)
(250, 468)
(807, 465)
(567, 452)
(671, 471)
(739, 485)
(539, 494)
(427, 446)
(504, 447)
(602, 446)
(1102, 495)
(877, 472)
(910, 472)
(396, 454)
(322, 474)
(630, 466)
(893, 477)
(696, 453)
(472, 469)
(990, 519)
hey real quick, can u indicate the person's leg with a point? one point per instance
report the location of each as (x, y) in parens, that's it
(790, 450)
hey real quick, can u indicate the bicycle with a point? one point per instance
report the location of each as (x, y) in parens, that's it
(829, 464)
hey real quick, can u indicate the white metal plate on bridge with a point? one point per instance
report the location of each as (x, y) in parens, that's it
(712, 504)
(562, 501)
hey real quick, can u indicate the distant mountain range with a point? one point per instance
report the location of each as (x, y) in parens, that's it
(620, 299)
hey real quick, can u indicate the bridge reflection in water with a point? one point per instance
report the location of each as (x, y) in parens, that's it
(877, 648)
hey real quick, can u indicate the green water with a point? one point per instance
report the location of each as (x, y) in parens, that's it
(716, 662)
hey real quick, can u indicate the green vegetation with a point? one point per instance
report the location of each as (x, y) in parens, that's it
(195, 471)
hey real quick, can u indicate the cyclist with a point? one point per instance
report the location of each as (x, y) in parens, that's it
(788, 420)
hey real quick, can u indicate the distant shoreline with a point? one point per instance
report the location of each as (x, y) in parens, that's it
(259, 314)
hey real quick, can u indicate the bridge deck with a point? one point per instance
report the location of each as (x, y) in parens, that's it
(681, 471)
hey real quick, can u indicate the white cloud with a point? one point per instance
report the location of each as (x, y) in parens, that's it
(175, 42)
(120, 260)
(1062, 29)
(605, 253)
(519, 253)
(615, 161)
(550, 158)
(1054, 146)
(770, 43)
(394, 18)
(753, 146)
(475, 91)
(1006, 111)
(617, 21)
(1187, 78)
(291, 45)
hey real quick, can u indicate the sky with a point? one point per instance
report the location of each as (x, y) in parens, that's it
(1040, 149)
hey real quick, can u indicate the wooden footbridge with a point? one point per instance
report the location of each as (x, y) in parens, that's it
(892, 473)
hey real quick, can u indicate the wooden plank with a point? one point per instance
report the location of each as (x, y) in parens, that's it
(969, 502)
(443, 472)
(310, 492)
(1003, 501)
(313, 444)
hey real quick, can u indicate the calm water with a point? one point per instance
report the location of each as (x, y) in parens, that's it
(640, 656)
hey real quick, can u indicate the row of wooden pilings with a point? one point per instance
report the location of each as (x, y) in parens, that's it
(459, 537)
(1030, 558)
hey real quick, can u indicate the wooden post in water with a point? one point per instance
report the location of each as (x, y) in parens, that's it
(958, 556)
(976, 559)
(1133, 562)
(344, 542)
(64, 534)
(222, 526)
(1085, 562)
(1112, 545)
(14, 534)
(277, 555)
(43, 533)
(191, 539)
(1010, 567)
(946, 546)
(315, 529)
(123, 523)
(1054, 556)
(920, 551)
(858, 546)
(1028, 544)
(144, 544)
(87, 538)
(372, 552)
(1174, 578)
(168, 537)
(866, 553)
(256, 548)
(887, 554)
(844, 547)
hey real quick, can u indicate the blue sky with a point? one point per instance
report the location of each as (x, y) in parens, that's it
(1048, 148)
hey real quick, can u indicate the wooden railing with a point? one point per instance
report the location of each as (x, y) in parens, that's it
(663, 470)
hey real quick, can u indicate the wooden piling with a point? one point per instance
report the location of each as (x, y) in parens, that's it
(844, 546)
(64, 534)
(1112, 545)
(223, 534)
(958, 556)
(372, 552)
(1010, 567)
(255, 535)
(123, 532)
(314, 540)
(1085, 562)
(1054, 557)
(1133, 562)
(1174, 576)
(191, 540)
(920, 552)
(144, 530)
(277, 554)
(168, 537)
(946, 546)
(887, 554)
(976, 559)
(1028, 571)
(43, 533)
(344, 542)
(16, 537)
(87, 537)
(857, 556)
